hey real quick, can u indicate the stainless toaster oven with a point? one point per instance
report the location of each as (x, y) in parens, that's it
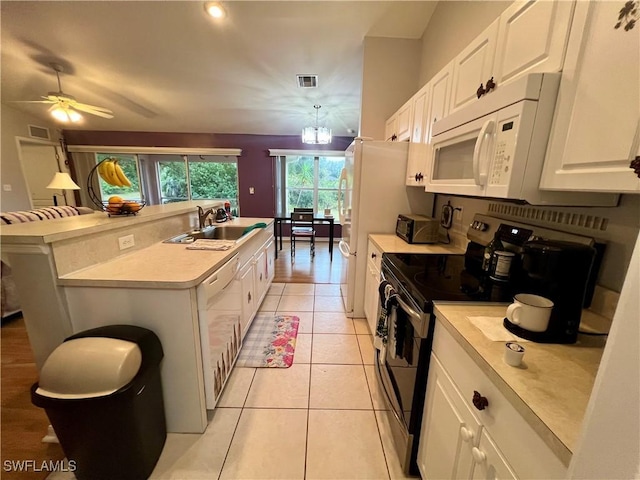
(417, 228)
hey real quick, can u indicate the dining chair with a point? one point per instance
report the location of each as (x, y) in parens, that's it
(302, 226)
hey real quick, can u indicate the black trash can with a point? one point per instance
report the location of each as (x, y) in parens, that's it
(102, 392)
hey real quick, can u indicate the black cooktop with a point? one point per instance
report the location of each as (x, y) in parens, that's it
(429, 277)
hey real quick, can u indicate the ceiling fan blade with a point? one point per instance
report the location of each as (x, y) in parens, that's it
(81, 106)
(31, 101)
(102, 112)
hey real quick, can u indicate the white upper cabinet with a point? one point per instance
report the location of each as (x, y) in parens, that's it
(440, 96)
(419, 135)
(398, 126)
(473, 67)
(532, 37)
(597, 120)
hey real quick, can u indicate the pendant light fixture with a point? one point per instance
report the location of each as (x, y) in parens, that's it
(316, 135)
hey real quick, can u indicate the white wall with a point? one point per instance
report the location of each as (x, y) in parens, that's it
(452, 27)
(610, 444)
(15, 124)
(389, 78)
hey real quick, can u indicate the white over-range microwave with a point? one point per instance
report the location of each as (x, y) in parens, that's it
(496, 146)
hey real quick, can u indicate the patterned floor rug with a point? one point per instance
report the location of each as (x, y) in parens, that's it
(270, 342)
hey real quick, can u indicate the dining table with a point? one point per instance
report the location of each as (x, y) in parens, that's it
(279, 219)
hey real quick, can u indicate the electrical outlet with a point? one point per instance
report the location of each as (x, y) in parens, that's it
(126, 242)
(457, 214)
(7, 187)
(252, 191)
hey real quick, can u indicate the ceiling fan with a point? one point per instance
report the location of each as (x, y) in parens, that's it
(65, 107)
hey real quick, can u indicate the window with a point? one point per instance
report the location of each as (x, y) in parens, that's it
(197, 177)
(130, 167)
(308, 181)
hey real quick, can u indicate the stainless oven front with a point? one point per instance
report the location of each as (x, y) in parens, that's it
(401, 370)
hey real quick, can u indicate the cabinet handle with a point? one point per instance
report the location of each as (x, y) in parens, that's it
(481, 91)
(249, 297)
(466, 434)
(635, 164)
(479, 401)
(478, 455)
(394, 137)
(490, 85)
(373, 255)
(260, 277)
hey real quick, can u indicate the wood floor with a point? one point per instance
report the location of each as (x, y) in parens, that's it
(23, 424)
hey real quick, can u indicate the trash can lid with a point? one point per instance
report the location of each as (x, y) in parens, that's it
(89, 367)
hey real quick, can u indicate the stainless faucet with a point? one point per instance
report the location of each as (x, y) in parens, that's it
(202, 216)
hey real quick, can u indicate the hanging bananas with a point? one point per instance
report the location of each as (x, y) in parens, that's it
(112, 173)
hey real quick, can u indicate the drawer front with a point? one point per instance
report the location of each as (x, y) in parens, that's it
(374, 255)
(525, 450)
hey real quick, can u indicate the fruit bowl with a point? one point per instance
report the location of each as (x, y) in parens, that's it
(126, 207)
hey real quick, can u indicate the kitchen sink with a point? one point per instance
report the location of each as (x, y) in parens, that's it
(210, 233)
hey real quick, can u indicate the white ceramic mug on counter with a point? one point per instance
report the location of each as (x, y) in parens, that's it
(531, 312)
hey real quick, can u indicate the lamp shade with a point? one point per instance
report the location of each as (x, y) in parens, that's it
(62, 181)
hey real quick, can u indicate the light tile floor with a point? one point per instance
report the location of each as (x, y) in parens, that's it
(318, 419)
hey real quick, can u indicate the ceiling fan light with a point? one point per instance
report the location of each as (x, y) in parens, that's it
(66, 115)
(215, 9)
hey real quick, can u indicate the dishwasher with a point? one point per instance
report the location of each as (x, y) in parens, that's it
(219, 310)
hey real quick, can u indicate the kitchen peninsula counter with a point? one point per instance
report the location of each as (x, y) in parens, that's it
(551, 389)
(163, 265)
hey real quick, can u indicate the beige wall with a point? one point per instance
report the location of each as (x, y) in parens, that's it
(451, 28)
(389, 78)
(15, 124)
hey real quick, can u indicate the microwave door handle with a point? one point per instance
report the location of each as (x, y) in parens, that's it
(487, 129)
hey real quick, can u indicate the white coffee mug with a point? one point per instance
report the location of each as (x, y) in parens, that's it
(531, 312)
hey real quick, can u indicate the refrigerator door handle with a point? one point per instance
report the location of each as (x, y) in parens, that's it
(343, 178)
(344, 249)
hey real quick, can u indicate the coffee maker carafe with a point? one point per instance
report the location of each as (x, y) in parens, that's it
(560, 271)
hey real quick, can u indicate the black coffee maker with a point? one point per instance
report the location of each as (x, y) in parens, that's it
(564, 273)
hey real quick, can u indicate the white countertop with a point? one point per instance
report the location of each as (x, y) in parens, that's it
(49, 231)
(552, 390)
(391, 243)
(162, 265)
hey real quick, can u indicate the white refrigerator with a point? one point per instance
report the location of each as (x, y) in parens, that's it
(372, 193)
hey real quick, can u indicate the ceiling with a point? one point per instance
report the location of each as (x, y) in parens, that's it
(166, 66)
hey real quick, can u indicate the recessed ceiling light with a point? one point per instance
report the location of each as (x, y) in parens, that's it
(215, 9)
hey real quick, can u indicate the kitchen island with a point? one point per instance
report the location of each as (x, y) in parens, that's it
(72, 275)
(534, 410)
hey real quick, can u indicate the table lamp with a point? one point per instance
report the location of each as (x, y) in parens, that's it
(61, 181)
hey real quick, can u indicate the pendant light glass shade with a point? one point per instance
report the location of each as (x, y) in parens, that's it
(316, 135)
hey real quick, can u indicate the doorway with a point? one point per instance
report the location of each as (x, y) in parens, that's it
(39, 161)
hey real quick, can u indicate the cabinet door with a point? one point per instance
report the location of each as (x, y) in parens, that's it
(371, 284)
(440, 97)
(532, 38)
(488, 462)
(449, 429)
(404, 121)
(597, 120)
(260, 273)
(271, 262)
(473, 67)
(390, 128)
(417, 157)
(248, 295)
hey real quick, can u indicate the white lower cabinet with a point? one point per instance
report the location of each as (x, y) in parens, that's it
(371, 283)
(460, 441)
(449, 429)
(255, 278)
(247, 286)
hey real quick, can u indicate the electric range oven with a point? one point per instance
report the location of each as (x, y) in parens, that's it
(403, 363)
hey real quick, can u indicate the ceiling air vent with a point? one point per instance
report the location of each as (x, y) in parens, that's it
(307, 81)
(39, 132)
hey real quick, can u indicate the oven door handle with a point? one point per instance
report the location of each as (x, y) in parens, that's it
(384, 388)
(407, 308)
